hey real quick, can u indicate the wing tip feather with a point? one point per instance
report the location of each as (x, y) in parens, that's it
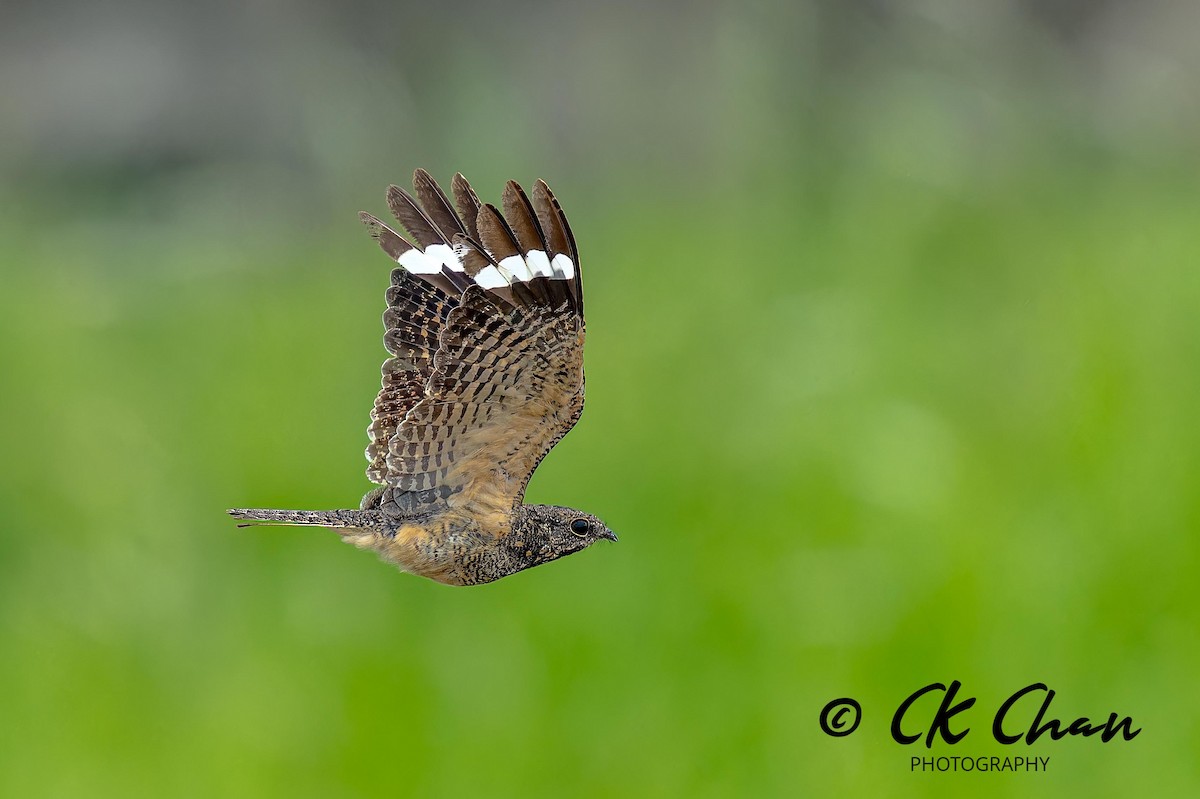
(532, 228)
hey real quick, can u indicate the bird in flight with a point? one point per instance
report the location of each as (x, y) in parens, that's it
(484, 324)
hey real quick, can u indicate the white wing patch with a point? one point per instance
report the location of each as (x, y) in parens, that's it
(539, 264)
(444, 255)
(516, 266)
(490, 278)
(564, 269)
(513, 269)
(416, 262)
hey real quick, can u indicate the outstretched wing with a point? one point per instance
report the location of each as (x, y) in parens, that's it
(505, 380)
(425, 287)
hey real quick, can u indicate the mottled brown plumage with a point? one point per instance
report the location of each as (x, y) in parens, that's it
(484, 325)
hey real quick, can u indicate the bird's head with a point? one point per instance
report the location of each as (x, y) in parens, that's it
(546, 532)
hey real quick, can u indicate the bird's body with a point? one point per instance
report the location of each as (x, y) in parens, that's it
(485, 328)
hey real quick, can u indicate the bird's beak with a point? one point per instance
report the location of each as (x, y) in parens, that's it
(609, 534)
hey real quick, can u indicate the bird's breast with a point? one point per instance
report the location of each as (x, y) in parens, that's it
(445, 550)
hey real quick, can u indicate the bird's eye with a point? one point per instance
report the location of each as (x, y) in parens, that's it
(579, 527)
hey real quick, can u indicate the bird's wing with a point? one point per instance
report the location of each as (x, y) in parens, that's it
(425, 287)
(505, 381)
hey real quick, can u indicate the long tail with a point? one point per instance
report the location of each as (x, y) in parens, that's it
(317, 518)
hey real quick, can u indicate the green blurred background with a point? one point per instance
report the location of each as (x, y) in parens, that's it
(892, 360)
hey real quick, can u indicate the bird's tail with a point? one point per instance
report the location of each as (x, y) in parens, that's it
(311, 518)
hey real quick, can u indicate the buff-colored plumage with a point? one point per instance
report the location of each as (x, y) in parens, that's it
(485, 330)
